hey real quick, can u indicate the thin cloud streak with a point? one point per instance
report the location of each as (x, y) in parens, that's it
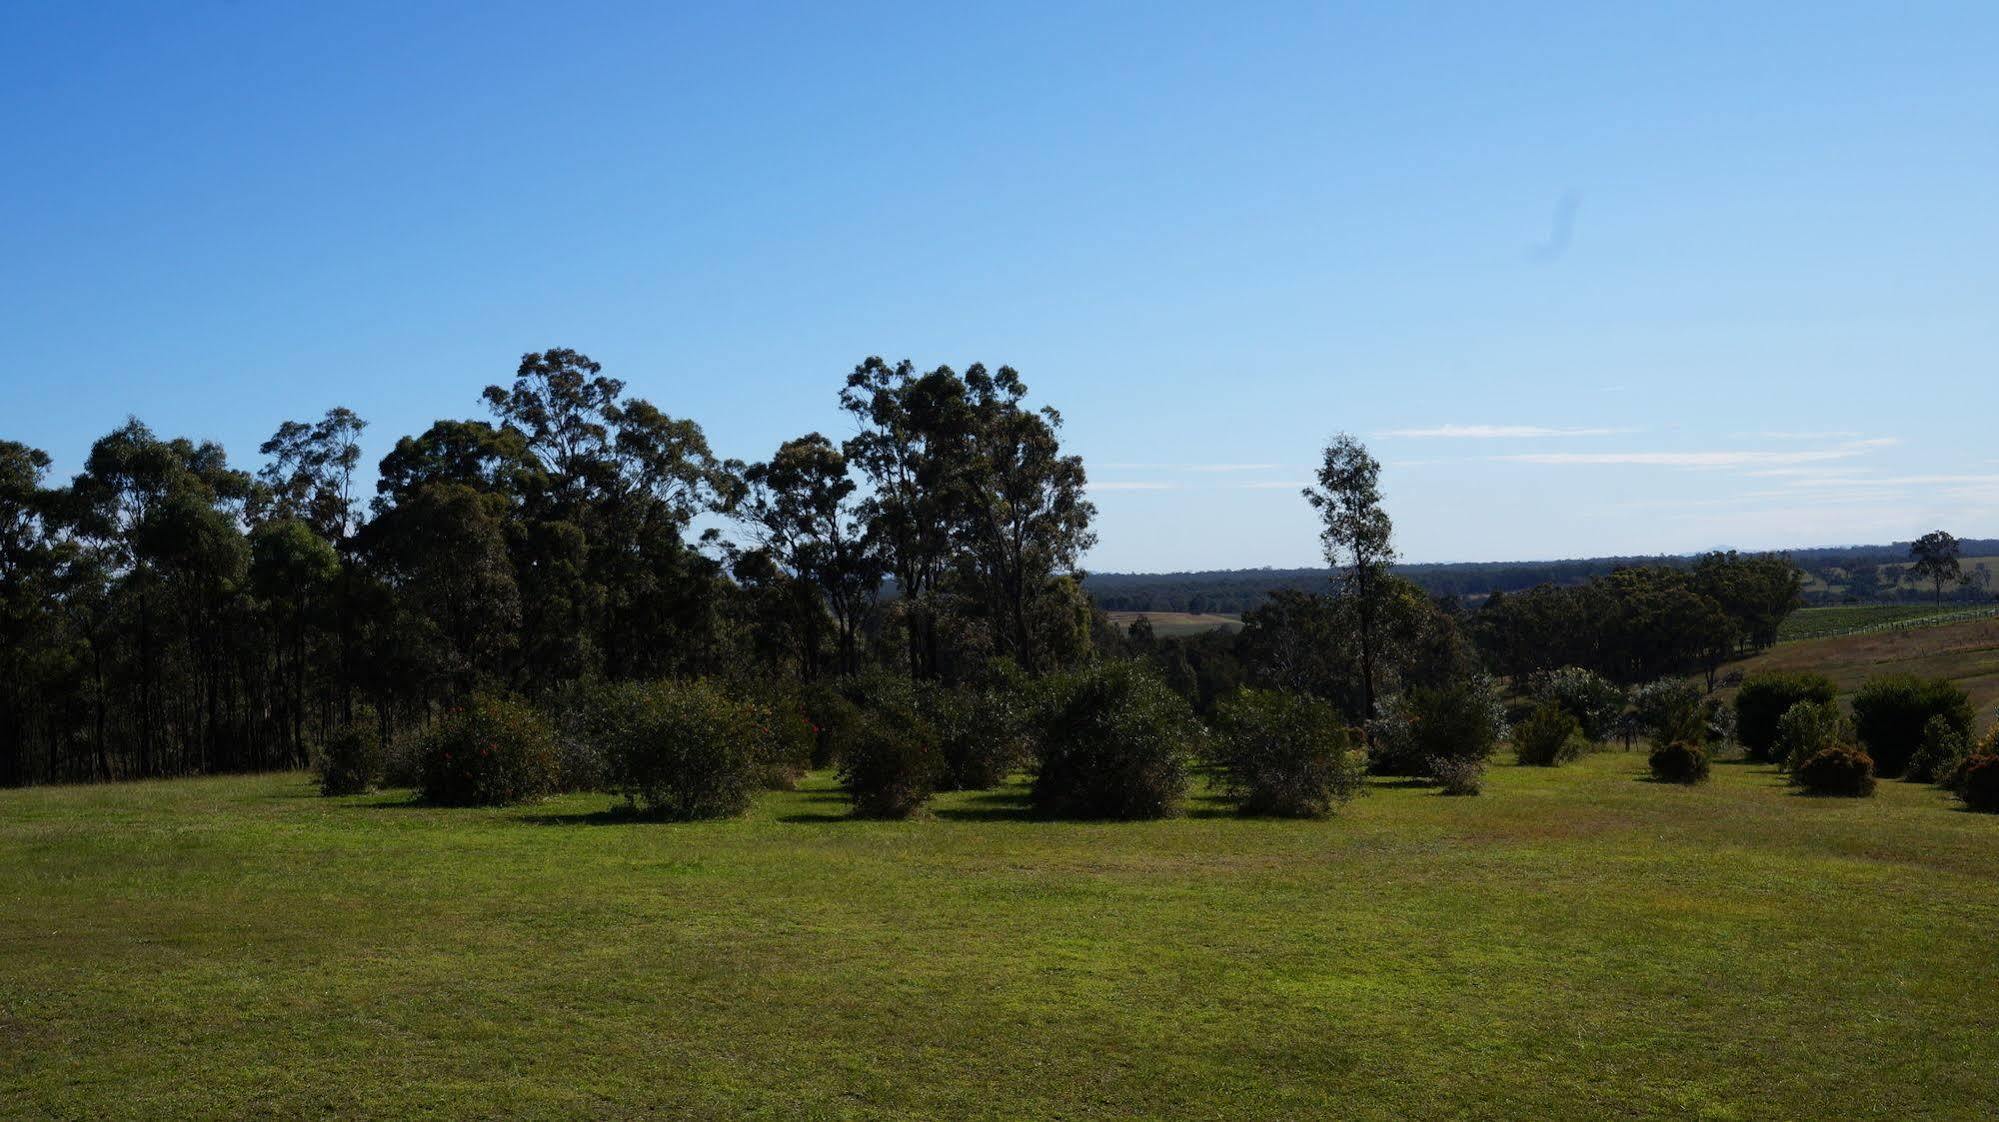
(1497, 432)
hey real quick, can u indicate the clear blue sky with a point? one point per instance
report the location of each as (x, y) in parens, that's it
(1649, 281)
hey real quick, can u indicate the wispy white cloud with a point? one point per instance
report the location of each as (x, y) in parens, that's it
(1272, 485)
(1188, 467)
(1132, 485)
(1719, 458)
(1497, 432)
(1835, 434)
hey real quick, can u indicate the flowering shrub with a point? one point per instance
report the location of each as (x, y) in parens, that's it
(1680, 762)
(1458, 775)
(1839, 770)
(492, 751)
(1976, 781)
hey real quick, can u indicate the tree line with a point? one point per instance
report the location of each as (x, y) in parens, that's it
(166, 612)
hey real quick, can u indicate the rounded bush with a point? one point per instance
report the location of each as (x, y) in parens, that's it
(1670, 709)
(1890, 713)
(490, 752)
(982, 733)
(1977, 783)
(350, 761)
(1462, 718)
(1549, 736)
(1458, 775)
(683, 750)
(1839, 770)
(1805, 730)
(1114, 744)
(1680, 762)
(1765, 698)
(892, 765)
(1285, 754)
(1943, 748)
(1587, 696)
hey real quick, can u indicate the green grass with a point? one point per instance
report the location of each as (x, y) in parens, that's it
(1857, 619)
(1577, 943)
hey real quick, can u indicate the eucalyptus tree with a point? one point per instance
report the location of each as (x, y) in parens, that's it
(1934, 557)
(799, 505)
(1356, 535)
(1025, 517)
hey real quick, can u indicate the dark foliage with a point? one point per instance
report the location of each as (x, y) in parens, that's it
(1944, 747)
(1115, 743)
(490, 752)
(1891, 712)
(1764, 698)
(1976, 781)
(1680, 762)
(1548, 737)
(1839, 770)
(682, 749)
(350, 762)
(892, 764)
(1285, 754)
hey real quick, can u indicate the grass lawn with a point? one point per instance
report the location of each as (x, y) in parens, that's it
(1577, 943)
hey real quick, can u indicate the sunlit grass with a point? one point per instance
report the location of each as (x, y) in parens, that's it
(1577, 942)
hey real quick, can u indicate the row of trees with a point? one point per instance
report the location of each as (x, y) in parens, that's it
(165, 612)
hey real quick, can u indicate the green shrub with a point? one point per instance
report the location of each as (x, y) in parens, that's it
(892, 763)
(1805, 730)
(1942, 749)
(1839, 770)
(682, 750)
(984, 730)
(1680, 762)
(1669, 710)
(490, 752)
(835, 721)
(1462, 718)
(1548, 737)
(1889, 714)
(1285, 754)
(1719, 721)
(1458, 775)
(1765, 698)
(1587, 696)
(350, 761)
(1977, 783)
(402, 759)
(786, 739)
(1115, 742)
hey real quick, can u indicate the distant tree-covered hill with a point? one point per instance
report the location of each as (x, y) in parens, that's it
(1238, 590)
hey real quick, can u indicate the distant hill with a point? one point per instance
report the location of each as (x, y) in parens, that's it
(1228, 591)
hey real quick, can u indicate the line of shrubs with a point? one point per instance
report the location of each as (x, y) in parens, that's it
(1902, 726)
(1109, 741)
(1112, 741)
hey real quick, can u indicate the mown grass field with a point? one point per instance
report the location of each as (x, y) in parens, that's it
(1966, 652)
(1175, 624)
(1576, 943)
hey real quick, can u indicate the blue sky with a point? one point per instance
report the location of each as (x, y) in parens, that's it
(1587, 279)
